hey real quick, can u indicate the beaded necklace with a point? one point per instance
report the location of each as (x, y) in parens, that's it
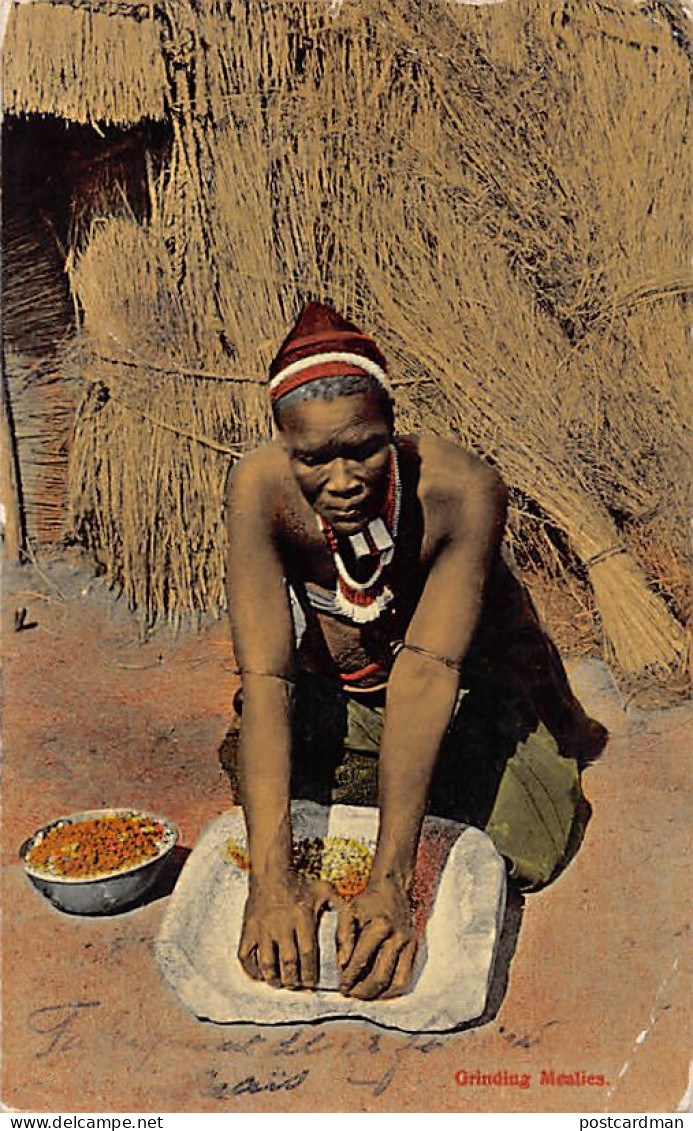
(364, 601)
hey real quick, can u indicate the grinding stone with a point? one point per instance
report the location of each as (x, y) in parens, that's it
(197, 944)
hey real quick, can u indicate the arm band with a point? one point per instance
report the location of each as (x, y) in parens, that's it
(265, 675)
(438, 659)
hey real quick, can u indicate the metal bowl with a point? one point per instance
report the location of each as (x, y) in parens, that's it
(106, 892)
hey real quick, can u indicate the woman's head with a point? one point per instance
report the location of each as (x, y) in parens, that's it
(339, 450)
(332, 404)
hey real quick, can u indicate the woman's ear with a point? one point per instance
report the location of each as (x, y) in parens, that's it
(281, 437)
(277, 429)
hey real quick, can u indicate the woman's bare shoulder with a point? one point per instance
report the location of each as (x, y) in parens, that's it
(258, 472)
(453, 472)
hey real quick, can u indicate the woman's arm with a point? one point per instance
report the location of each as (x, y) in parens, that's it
(376, 933)
(278, 941)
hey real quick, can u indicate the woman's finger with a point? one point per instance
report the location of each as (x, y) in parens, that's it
(401, 977)
(288, 962)
(369, 942)
(267, 960)
(307, 943)
(247, 954)
(249, 962)
(345, 936)
(321, 894)
(379, 977)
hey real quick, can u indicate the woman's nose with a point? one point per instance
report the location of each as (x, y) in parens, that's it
(343, 480)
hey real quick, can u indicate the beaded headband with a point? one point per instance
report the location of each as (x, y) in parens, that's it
(321, 365)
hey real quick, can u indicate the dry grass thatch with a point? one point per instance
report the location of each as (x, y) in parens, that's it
(152, 446)
(498, 194)
(97, 62)
(36, 318)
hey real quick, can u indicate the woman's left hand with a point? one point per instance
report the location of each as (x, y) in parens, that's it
(376, 943)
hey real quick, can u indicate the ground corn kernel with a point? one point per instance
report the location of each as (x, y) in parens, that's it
(343, 862)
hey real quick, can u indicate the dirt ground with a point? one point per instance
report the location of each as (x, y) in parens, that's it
(599, 983)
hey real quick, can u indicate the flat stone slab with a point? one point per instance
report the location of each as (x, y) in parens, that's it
(596, 689)
(197, 945)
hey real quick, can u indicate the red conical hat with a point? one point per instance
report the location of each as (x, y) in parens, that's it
(323, 344)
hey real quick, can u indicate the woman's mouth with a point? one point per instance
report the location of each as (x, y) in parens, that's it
(349, 516)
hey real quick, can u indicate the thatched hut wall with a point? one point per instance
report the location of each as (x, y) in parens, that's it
(86, 62)
(97, 64)
(57, 178)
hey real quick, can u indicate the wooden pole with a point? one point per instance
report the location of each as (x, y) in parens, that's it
(10, 490)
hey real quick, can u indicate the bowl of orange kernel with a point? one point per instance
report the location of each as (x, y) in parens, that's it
(99, 861)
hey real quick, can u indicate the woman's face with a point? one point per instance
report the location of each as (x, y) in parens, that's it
(339, 452)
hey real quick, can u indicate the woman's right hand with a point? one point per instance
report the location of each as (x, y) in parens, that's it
(279, 938)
